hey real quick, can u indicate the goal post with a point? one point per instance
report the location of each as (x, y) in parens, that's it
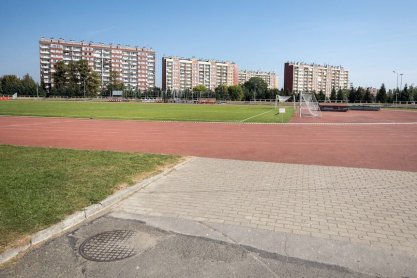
(309, 106)
(279, 99)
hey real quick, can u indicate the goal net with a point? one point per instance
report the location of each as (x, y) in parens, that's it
(279, 99)
(309, 107)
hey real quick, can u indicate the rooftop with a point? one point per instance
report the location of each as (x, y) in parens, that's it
(257, 71)
(197, 59)
(314, 65)
(94, 44)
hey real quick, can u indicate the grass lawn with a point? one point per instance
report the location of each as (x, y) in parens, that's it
(146, 111)
(400, 108)
(40, 186)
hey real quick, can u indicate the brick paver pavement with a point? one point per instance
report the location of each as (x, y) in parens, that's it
(363, 206)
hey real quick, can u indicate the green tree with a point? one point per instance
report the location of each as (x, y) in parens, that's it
(92, 84)
(221, 92)
(43, 91)
(29, 85)
(235, 92)
(333, 94)
(60, 77)
(115, 84)
(158, 92)
(168, 94)
(340, 95)
(84, 74)
(321, 96)
(247, 95)
(368, 97)
(352, 95)
(256, 86)
(413, 92)
(11, 84)
(287, 92)
(271, 93)
(404, 94)
(360, 93)
(390, 96)
(381, 96)
(1, 88)
(74, 79)
(200, 89)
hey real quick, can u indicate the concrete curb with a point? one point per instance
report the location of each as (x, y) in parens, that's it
(84, 215)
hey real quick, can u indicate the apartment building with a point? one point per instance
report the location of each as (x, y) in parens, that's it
(300, 77)
(134, 65)
(373, 91)
(182, 73)
(269, 77)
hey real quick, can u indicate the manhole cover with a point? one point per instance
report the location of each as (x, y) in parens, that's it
(108, 246)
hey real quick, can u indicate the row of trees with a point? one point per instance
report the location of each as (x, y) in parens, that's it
(254, 88)
(76, 79)
(353, 95)
(11, 84)
(408, 93)
(360, 94)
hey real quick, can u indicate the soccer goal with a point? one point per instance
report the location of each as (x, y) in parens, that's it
(279, 99)
(309, 107)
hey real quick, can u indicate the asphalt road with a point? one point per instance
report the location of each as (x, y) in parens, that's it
(159, 253)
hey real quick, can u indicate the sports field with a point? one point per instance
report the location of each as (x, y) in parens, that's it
(146, 111)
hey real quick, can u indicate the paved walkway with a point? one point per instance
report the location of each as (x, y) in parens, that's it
(360, 206)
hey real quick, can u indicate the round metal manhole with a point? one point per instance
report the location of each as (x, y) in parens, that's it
(108, 246)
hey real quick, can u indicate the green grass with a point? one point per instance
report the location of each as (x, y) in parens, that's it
(40, 186)
(146, 111)
(400, 108)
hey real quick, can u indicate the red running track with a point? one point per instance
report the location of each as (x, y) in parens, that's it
(379, 146)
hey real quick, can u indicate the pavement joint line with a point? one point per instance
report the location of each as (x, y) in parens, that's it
(86, 214)
(253, 256)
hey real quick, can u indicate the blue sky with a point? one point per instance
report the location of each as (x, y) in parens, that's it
(369, 38)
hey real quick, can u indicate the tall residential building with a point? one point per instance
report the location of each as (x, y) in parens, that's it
(182, 74)
(135, 66)
(373, 91)
(300, 77)
(269, 77)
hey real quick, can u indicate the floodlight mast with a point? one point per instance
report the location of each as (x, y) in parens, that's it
(396, 94)
(401, 82)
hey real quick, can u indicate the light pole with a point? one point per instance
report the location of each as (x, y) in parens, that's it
(84, 84)
(401, 82)
(396, 95)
